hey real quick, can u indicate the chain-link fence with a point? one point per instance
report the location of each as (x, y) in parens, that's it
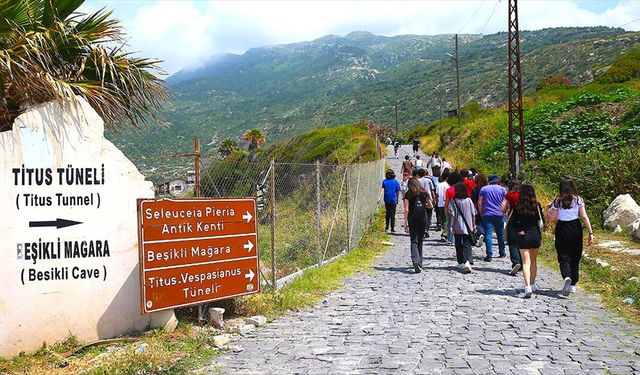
(307, 213)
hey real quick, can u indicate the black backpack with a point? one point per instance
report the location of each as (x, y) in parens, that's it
(417, 209)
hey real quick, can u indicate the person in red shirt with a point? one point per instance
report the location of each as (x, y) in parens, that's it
(508, 204)
(468, 182)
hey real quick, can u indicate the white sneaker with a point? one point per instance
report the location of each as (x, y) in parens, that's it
(480, 240)
(534, 288)
(467, 267)
(566, 286)
(573, 289)
(527, 292)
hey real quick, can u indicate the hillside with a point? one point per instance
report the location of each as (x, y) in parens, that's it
(590, 132)
(334, 80)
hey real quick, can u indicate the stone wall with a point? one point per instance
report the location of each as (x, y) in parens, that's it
(69, 238)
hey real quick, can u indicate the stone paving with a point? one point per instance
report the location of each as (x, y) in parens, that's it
(441, 321)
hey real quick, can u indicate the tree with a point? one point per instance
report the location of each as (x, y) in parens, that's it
(254, 137)
(50, 52)
(227, 147)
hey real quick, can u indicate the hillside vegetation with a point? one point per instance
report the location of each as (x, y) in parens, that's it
(287, 89)
(590, 132)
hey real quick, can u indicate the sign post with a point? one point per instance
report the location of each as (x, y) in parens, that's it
(196, 250)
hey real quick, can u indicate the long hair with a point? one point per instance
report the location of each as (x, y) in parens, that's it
(568, 192)
(514, 185)
(481, 180)
(415, 188)
(528, 203)
(453, 178)
(461, 190)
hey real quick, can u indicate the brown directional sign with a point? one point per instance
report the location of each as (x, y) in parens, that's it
(195, 250)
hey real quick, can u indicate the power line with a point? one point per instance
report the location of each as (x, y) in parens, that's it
(472, 17)
(490, 16)
(630, 22)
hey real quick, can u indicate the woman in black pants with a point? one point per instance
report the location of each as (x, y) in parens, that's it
(525, 223)
(415, 219)
(568, 209)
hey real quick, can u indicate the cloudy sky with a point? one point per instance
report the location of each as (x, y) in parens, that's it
(186, 33)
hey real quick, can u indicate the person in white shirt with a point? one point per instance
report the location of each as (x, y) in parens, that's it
(568, 209)
(428, 186)
(419, 162)
(441, 189)
(446, 164)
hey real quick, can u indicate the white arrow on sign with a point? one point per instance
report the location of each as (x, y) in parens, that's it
(247, 216)
(250, 275)
(249, 245)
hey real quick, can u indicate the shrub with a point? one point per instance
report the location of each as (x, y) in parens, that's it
(553, 81)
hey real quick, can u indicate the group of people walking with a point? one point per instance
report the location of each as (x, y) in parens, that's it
(470, 208)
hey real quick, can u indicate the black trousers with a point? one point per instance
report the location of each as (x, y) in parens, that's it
(440, 218)
(416, 233)
(463, 248)
(390, 216)
(569, 248)
(429, 218)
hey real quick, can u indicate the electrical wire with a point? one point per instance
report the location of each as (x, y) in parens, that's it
(630, 22)
(472, 17)
(490, 16)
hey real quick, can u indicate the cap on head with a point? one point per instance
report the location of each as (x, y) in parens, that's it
(494, 179)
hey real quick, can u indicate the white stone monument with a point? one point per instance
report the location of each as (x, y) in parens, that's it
(68, 238)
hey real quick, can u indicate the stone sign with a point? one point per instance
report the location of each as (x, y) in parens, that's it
(196, 250)
(69, 237)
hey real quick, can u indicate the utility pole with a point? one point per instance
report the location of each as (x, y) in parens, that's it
(516, 119)
(196, 155)
(458, 81)
(396, 108)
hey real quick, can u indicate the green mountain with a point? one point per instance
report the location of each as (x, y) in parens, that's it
(335, 80)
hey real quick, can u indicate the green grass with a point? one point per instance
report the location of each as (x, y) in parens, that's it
(612, 285)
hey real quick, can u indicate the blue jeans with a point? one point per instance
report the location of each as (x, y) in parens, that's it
(490, 223)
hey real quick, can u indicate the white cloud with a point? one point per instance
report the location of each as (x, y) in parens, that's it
(185, 33)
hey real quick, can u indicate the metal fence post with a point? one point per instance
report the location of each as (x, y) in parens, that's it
(318, 211)
(348, 197)
(273, 223)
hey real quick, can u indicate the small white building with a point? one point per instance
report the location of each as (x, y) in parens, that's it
(177, 187)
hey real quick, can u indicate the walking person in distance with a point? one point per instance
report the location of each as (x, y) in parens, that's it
(463, 223)
(441, 189)
(528, 221)
(490, 207)
(415, 219)
(416, 146)
(390, 191)
(568, 209)
(407, 166)
(430, 188)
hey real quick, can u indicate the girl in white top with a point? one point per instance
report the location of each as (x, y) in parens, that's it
(568, 209)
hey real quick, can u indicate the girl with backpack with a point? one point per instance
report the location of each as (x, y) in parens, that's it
(463, 223)
(528, 222)
(415, 219)
(568, 209)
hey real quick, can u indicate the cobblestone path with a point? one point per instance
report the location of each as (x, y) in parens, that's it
(440, 321)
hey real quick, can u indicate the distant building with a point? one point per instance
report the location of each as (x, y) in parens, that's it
(452, 113)
(191, 177)
(177, 188)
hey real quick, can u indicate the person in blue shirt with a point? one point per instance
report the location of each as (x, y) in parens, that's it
(390, 191)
